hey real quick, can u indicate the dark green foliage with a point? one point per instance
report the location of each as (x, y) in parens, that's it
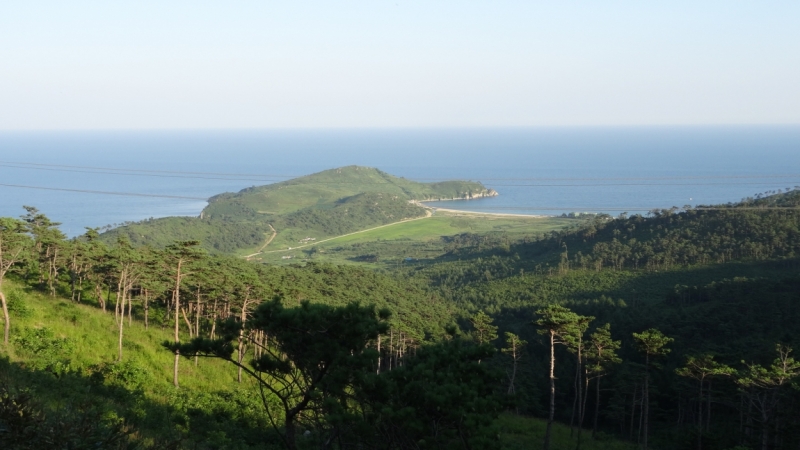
(350, 214)
(217, 235)
(317, 356)
(24, 424)
(484, 331)
(440, 398)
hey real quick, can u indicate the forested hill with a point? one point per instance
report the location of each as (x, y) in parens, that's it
(721, 282)
(765, 228)
(331, 186)
(325, 204)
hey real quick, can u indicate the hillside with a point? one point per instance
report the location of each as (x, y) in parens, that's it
(61, 371)
(722, 281)
(324, 204)
(327, 187)
(719, 284)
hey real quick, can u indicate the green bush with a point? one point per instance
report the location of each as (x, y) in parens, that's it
(17, 305)
(128, 374)
(24, 424)
(45, 349)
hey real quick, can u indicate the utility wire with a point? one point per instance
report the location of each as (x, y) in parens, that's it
(498, 208)
(139, 174)
(149, 170)
(275, 177)
(737, 183)
(88, 191)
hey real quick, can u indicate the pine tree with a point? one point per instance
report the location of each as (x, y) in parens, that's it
(652, 343)
(702, 368)
(485, 330)
(556, 322)
(600, 355)
(177, 258)
(513, 349)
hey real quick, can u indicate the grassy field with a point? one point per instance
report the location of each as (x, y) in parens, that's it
(418, 239)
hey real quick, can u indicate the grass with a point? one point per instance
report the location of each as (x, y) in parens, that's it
(519, 432)
(417, 239)
(65, 354)
(93, 336)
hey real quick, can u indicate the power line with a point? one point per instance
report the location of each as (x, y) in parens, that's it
(770, 183)
(493, 208)
(116, 169)
(102, 172)
(276, 177)
(88, 191)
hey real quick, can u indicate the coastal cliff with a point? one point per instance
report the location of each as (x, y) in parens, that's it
(471, 195)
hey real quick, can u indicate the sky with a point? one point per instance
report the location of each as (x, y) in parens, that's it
(381, 64)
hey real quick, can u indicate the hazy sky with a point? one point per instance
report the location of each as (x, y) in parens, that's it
(373, 63)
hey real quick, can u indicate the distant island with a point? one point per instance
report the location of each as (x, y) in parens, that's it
(324, 204)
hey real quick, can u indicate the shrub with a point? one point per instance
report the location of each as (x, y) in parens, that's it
(17, 305)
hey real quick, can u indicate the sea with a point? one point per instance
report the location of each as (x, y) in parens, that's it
(100, 178)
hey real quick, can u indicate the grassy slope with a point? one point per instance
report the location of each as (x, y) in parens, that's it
(209, 407)
(93, 335)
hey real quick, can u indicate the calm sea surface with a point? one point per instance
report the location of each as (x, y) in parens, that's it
(536, 171)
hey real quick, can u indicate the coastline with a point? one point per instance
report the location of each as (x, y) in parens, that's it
(435, 209)
(478, 213)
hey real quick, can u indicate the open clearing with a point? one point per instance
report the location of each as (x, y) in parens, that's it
(418, 238)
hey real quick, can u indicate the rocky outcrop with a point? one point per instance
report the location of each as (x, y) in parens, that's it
(471, 195)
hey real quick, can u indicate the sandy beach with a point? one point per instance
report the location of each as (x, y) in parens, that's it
(458, 212)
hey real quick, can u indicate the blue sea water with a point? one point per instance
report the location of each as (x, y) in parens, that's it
(535, 170)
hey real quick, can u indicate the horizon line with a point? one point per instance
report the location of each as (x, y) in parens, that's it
(404, 128)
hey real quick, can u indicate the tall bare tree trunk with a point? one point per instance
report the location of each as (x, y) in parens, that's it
(511, 388)
(130, 305)
(146, 308)
(552, 391)
(583, 409)
(214, 321)
(116, 300)
(700, 418)
(197, 323)
(177, 305)
(379, 355)
(121, 324)
(596, 406)
(240, 356)
(708, 407)
(646, 406)
(576, 403)
(6, 318)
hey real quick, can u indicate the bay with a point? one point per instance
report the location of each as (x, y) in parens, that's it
(535, 170)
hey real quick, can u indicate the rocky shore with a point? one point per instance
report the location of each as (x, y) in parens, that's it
(465, 196)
